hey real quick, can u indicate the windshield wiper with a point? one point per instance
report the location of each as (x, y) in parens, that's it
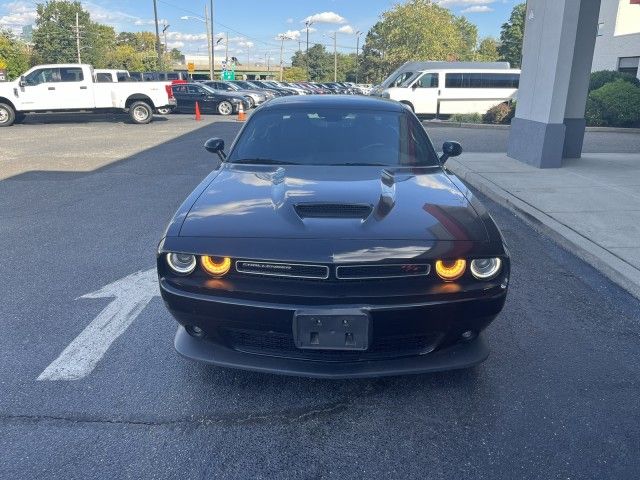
(266, 161)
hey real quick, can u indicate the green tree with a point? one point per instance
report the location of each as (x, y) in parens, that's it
(14, 55)
(319, 62)
(487, 50)
(512, 36)
(126, 57)
(294, 74)
(416, 30)
(54, 40)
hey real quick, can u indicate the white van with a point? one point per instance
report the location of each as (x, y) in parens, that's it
(445, 92)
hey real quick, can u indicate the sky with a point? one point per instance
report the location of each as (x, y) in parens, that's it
(255, 26)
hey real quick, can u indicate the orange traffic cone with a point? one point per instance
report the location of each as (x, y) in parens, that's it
(198, 117)
(241, 115)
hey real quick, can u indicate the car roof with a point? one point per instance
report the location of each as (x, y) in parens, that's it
(333, 101)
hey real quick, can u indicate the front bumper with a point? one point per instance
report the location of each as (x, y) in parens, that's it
(406, 338)
(461, 355)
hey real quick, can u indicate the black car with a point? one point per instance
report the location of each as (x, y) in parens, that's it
(331, 241)
(209, 100)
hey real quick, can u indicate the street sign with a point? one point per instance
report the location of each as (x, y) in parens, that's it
(191, 67)
(228, 75)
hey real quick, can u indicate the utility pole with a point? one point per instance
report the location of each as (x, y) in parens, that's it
(213, 44)
(78, 36)
(266, 60)
(209, 43)
(158, 52)
(358, 33)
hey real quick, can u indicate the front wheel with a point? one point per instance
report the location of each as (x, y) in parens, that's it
(7, 115)
(140, 113)
(225, 108)
(251, 101)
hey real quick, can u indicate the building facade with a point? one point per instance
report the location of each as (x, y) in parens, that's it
(618, 41)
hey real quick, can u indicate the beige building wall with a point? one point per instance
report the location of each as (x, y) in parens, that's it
(618, 35)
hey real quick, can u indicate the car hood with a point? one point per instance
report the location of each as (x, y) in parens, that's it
(250, 201)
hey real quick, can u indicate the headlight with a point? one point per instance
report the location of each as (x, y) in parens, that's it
(450, 270)
(181, 263)
(485, 268)
(216, 266)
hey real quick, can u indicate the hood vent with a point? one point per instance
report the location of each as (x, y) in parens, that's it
(333, 210)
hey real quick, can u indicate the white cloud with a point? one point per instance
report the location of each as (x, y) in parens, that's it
(348, 29)
(478, 9)
(462, 3)
(142, 21)
(325, 17)
(171, 45)
(289, 34)
(17, 15)
(186, 37)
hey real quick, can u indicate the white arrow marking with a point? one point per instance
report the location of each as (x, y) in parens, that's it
(132, 294)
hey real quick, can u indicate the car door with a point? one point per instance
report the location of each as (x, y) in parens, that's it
(200, 95)
(425, 92)
(186, 104)
(73, 90)
(37, 90)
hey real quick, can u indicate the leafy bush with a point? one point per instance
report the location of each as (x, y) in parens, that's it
(466, 118)
(501, 114)
(601, 78)
(615, 104)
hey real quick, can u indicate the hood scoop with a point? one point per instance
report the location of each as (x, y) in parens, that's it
(333, 210)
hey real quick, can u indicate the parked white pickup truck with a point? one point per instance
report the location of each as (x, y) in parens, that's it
(73, 88)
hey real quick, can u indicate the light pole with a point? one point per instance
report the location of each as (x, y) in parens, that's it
(282, 39)
(164, 33)
(335, 55)
(213, 45)
(205, 20)
(307, 24)
(358, 33)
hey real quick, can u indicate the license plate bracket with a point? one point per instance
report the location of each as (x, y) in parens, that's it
(336, 330)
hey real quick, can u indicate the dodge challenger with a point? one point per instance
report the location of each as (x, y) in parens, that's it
(332, 241)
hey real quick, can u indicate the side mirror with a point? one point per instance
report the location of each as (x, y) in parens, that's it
(22, 83)
(414, 86)
(215, 145)
(450, 149)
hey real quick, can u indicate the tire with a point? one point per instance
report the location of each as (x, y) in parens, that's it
(163, 111)
(251, 101)
(225, 108)
(7, 115)
(140, 113)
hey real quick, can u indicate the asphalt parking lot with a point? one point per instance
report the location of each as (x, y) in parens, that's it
(84, 205)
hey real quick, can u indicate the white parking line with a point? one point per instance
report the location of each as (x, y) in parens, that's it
(132, 293)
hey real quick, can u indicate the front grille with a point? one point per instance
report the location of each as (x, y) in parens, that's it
(282, 345)
(276, 269)
(333, 210)
(360, 272)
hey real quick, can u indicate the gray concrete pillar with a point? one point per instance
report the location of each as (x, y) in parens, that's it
(538, 130)
(574, 121)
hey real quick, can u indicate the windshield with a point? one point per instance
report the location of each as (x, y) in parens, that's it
(334, 137)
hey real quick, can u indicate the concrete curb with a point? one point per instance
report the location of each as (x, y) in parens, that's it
(616, 269)
(431, 123)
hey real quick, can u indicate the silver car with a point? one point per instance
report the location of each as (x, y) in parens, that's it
(255, 97)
